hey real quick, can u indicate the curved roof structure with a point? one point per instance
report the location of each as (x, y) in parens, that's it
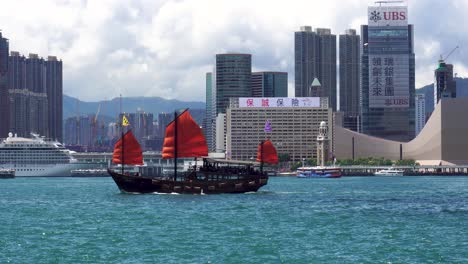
(443, 140)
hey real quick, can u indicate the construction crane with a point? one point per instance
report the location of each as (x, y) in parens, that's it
(442, 59)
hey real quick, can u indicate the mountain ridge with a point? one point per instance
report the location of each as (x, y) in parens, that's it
(111, 108)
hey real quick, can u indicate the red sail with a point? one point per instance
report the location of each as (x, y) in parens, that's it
(132, 154)
(190, 139)
(269, 153)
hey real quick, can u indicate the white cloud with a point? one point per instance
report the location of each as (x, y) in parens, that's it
(164, 48)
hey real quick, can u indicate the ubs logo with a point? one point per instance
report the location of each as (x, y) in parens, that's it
(375, 16)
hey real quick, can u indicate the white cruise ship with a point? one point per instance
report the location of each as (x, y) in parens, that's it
(37, 157)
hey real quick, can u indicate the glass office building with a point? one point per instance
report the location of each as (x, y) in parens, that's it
(270, 84)
(388, 74)
(233, 79)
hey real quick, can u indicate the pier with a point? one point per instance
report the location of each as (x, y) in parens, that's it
(422, 170)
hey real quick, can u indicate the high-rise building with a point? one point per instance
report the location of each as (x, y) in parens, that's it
(163, 120)
(420, 114)
(270, 84)
(4, 100)
(78, 131)
(388, 74)
(349, 78)
(38, 104)
(54, 90)
(315, 57)
(35, 93)
(19, 95)
(233, 78)
(444, 84)
(315, 89)
(142, 124)
(293, 121)
(207, 124)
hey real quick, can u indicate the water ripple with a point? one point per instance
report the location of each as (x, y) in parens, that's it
(348, 220)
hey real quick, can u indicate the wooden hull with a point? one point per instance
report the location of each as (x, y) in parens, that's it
(142, 184)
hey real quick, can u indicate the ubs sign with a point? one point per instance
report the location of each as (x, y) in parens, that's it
(379, 16)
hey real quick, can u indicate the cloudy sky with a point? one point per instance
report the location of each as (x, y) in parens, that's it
(164, 47)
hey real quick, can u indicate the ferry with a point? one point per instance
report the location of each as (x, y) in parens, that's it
(7, 173)
(318, 172)
(389, 172)
(37, 157)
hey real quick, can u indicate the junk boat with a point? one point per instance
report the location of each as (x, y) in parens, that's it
(184, 139)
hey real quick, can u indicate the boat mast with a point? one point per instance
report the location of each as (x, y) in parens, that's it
(261, 156)
(122, 132)
(175, 145)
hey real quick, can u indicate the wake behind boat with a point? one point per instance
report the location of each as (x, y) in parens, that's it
(184, 138)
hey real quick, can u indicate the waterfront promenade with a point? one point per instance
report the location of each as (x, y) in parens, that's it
(421, 170)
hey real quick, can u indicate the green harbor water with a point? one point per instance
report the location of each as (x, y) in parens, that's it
(346, 220)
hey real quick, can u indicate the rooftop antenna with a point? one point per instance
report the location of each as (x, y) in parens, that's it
(388, 2)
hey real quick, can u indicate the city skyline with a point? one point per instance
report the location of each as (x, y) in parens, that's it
(107, 47)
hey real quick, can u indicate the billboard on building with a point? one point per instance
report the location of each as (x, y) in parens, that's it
(389, 81)
(379, 16)
(313, 102)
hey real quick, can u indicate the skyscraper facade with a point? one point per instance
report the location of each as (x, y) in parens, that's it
(35, 93)
(207, 124)
(349, 78)
(19, 95)
(388, 74)
(315, 57)
(78, 131)
(270, 84)
(38, 104)
(444, 84)
(420, 114)
(163, 120)
(4, 100)
(233, 78)
(54, 90)
(141, 124)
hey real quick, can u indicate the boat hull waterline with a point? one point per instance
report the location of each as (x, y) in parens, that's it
(141, 184)
(318, 172)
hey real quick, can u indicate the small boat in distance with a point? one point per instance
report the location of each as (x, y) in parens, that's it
(7, 173)
(318, 172)
(184, 138)
(389, 172)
